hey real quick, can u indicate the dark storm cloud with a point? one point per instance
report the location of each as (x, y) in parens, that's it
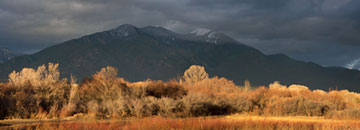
(295, 27)
(264, 19)
(292, 19)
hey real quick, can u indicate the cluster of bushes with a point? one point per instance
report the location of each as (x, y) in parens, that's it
(34, 93)
(41, 94)
(299, 100)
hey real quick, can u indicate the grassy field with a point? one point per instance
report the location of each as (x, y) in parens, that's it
(200, 123)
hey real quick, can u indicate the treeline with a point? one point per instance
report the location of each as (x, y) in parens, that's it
(40, 93)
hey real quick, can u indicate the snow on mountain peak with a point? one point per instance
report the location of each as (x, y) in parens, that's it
(353, 64)
(123, 30)
(200, 31)
(207, 34)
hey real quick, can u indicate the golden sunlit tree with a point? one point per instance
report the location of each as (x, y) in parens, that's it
(42, 76)
(195, 74)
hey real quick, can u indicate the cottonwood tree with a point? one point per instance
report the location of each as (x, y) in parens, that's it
(195, 74)
(106, 76)
(42, 76)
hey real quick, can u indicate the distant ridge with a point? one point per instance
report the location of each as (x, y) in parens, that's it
(7, 54)
(160, 54)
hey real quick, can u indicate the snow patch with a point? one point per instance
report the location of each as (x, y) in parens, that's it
(212, 37)
(120, 33)
(352, 64)
(200, 31)
(212, 41)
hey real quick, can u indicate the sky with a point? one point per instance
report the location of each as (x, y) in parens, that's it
(326, 32)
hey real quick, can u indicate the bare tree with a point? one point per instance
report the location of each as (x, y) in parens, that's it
(42, 76)
(195, 74)
(106, 73)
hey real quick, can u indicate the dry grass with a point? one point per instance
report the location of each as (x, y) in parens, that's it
(201, 123)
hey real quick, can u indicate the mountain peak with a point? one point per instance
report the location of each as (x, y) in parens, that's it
(211, 36)
(123, 30)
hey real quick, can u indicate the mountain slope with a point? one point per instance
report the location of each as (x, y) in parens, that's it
(6, 54)
(157, 53)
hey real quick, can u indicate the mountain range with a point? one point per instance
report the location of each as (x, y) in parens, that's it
(160, 54)
(7, 54)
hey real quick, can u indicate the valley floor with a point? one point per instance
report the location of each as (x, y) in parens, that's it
(200, 123)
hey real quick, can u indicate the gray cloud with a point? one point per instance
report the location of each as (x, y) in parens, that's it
(320, 29)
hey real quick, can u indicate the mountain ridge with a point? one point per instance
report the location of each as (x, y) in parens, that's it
(160, 54)
(7, 54)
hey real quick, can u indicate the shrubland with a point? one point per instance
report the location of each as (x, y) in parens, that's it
(41, 94)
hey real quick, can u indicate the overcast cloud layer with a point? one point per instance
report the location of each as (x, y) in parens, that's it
(323, 31)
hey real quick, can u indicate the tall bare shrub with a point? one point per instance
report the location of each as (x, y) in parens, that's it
(39, 77)
(195, 74)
